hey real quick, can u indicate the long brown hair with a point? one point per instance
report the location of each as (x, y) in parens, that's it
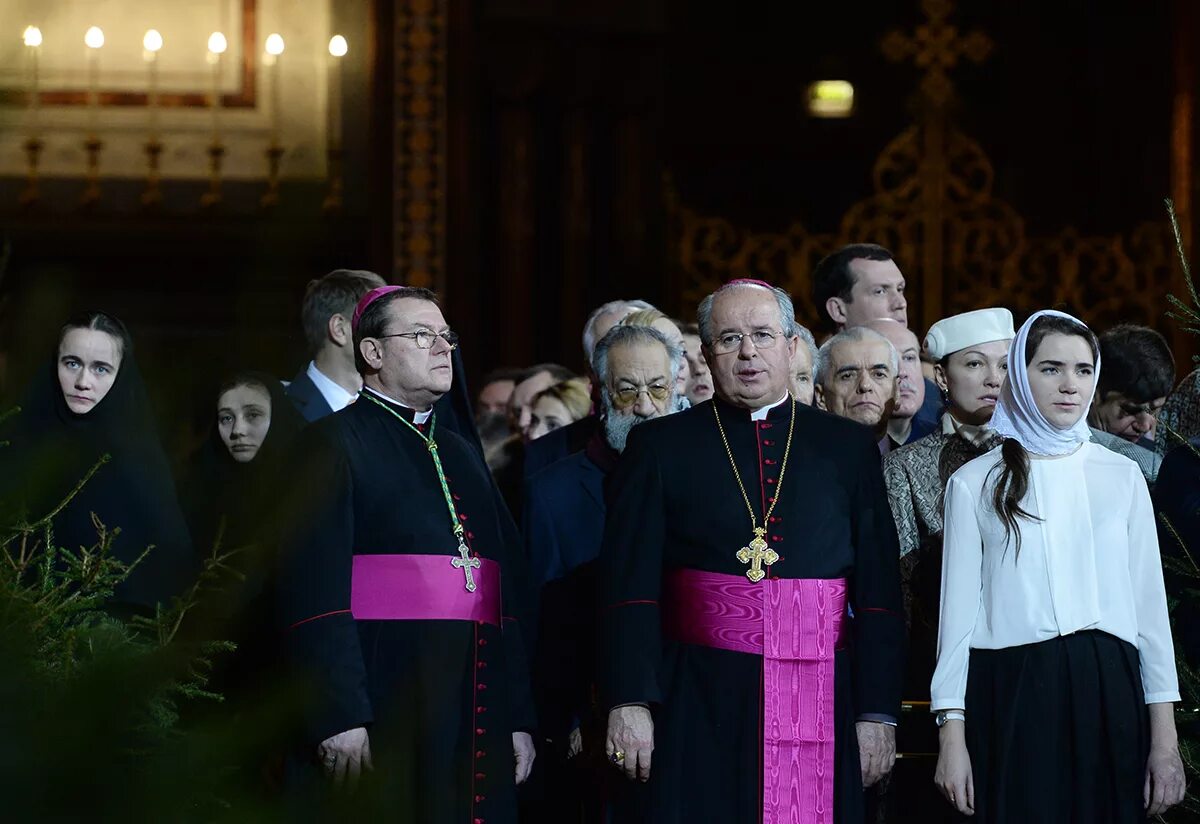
(1012, 482)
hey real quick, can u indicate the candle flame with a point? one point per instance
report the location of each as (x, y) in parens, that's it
(217, 44)
(94, 37)
(153, 41)
(32, 36)
(338, 46)
(275, 44)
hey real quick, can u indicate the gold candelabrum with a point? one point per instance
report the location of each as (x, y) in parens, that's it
(91, 191)
(152, 195)
(333, 198)
(33, 152)
(216, 152)
(274, 154)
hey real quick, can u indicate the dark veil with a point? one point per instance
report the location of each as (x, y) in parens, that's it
(50, 451)
(240, 501)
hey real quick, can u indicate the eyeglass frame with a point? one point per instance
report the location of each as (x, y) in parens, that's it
(450, 337)
(643, 389)
(741, 336)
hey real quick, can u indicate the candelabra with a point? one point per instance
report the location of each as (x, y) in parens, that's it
(274, 156)
(152, 196)
(333, 199)
(216, 151)
(91, 192)
(33, 151)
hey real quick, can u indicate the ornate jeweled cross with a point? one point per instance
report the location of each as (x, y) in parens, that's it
(466, 563)
(758, 555)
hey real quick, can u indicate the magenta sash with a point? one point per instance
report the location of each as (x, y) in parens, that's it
(796, 625)
(422, 588)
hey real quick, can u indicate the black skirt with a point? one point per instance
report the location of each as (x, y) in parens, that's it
(1058, 732)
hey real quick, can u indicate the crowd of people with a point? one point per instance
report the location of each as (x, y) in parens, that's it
(692, 584)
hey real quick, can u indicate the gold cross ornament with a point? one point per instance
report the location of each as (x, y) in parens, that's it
(466, 564)
(758, 555)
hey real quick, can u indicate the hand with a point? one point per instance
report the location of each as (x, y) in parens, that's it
(574, 743)
(631, 731)
(1165, 784)
(876, 750)
(953, 775)
(524, 753)
(345, 755)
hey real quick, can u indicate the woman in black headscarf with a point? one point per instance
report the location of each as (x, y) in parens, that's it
(233, 487)
(87, 403)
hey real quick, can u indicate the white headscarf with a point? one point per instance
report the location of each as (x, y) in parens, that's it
(1017, 415)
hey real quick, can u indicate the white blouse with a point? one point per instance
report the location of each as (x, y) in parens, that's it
(1092, 563)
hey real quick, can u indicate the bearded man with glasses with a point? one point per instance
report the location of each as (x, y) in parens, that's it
(752, 629)
(400, 586)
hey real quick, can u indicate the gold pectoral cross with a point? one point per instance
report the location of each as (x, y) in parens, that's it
(758, 555)
(466, 563)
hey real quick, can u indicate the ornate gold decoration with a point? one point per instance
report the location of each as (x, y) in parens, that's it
(419, 237)
(933, 206)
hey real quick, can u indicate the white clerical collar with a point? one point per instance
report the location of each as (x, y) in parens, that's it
(334, 394)
(419, 417)
(761, 413)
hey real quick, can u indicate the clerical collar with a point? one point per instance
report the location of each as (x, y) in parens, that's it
(761, 413)
(419, 418)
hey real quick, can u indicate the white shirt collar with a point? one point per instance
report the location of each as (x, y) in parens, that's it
(761, 413)
(419, 417)
(333, 393)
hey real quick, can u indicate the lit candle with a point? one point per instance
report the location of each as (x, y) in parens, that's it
(33, 49)
(94, 40)
(151, 43)
(274, 48)
(216, 47)
(337, 50)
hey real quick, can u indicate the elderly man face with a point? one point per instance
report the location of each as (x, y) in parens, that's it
(910, 392)
(802, 374)
(699, 386)
(859, 383)
(412, 375)
(639, 386)
(747, 373)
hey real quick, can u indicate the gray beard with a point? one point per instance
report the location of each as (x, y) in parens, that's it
(618, 425)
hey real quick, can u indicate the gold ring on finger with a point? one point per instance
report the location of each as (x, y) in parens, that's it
(618, 757)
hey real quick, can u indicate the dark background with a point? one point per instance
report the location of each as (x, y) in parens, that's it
(565, 122)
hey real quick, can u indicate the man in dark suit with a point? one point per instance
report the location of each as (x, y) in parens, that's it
(564, 519)
(330, 382)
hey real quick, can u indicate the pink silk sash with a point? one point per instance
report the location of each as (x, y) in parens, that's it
(422, 588)
(796, 625)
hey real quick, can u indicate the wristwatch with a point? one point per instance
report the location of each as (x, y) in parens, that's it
(948, 715)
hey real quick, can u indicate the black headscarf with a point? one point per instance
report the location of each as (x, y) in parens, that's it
(51, 450)
(240, 500)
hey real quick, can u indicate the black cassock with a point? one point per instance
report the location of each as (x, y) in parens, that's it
(440, 698)
(674, 503)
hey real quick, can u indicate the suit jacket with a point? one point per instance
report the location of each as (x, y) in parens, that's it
(307, 397)
(564, 517)
(560, 443)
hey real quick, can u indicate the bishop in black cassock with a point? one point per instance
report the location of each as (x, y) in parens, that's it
(745, 682)
(399, 588)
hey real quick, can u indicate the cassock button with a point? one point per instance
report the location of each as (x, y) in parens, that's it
(479, 800)
(481, 665)
(771, 500)
(462, 517)
(455, 496)
(470, 536)
(480, 710)
(770, 480)
(483, 642)
(775, 519)
(480, 753)
(769, 462)
(776, 539)
(764, 425)
(480, 776)
(480, 731)
(768, 443)
(482, 687)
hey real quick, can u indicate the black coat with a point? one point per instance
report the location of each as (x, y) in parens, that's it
(675, 504)
(52, 449)
(440, 698)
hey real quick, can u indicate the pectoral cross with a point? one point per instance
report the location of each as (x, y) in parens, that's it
(757, 554)
(466, 563)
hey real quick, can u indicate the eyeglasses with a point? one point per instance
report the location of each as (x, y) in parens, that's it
(424, 339)
(732, 341)
(629, 395)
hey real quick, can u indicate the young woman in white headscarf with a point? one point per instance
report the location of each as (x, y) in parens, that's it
(1056, 672)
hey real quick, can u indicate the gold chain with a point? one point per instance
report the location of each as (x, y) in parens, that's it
(787, 450)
